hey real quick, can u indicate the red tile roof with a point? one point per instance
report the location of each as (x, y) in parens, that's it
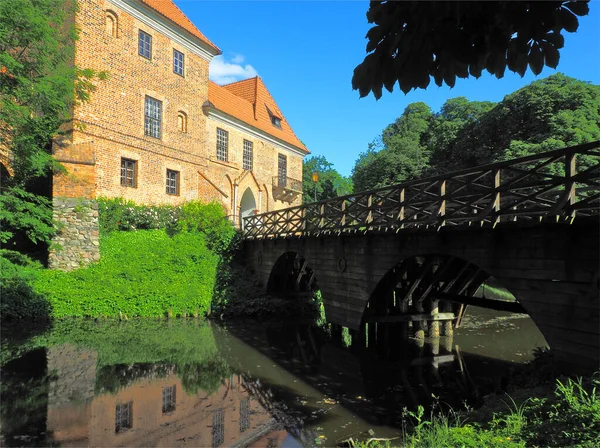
(169, 10)
(250, 101)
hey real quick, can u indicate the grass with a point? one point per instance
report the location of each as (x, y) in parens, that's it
(564, 414)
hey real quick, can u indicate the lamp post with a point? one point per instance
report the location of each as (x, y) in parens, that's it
(315, 178)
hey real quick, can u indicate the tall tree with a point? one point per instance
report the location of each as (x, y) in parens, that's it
(330, 184)
(399, 154)
(547, 114)
(39, 86)
(414, 41)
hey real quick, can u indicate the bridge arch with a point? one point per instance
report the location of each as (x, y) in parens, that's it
(551, 268)
(292, 276)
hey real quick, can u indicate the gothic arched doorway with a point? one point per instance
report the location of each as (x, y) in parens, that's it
(247, 205)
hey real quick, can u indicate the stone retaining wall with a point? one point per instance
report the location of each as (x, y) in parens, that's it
(77, 235)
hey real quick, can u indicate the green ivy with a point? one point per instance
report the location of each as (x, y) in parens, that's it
(144, 273)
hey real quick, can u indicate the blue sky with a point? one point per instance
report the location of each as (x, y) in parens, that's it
(306, 52)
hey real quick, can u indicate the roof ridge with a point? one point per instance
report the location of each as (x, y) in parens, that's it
(241, 80)
(177, 20)
(229, 92)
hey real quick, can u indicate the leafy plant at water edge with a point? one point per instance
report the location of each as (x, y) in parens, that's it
(18, 299)
(144, 273)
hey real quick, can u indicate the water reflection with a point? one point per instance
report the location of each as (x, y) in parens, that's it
(191, 383)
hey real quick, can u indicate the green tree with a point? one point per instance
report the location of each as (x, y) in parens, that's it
(331, 183)
(414, 41)
(547, 114)
(39, 86)
(399, 154)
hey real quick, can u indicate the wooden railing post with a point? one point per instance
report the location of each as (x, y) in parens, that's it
(401, 211)
(496, 197)
(321, 216)
(442, 206)
(570, 188)
(369, 209)
(343, 220)
(303, 222)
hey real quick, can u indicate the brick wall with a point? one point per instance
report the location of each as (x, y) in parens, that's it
(114, 118)
(226, 175)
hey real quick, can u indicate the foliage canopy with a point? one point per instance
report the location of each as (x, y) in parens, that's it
(550, 113)
(330, 183)
(39, 86)
(413, 41)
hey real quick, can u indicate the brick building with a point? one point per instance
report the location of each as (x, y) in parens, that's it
(158, 131)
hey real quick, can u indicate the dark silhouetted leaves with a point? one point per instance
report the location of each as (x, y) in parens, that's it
(412, 41)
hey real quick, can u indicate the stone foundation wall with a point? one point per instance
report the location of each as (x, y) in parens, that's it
(77, 235)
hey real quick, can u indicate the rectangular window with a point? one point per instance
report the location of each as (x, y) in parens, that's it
(123, 416)
(152, 117)
(244, 414)
(178, 62)
(168, 399)
(172, 182)
(128, 173)
(145, 45)
(218, 427)
(248, 155)
(222, 144)
(282, 170)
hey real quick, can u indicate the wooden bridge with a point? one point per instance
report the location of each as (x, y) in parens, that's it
(405, 259)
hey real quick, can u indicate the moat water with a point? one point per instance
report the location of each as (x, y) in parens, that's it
(201, 384)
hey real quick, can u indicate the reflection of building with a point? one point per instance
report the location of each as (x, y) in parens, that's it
(151, 411)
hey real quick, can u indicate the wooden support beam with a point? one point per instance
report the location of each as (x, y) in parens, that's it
(411, 317)
(498, 305)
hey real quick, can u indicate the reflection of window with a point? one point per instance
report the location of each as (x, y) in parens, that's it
(124, 416)
(172, 183)
(181, 121)
(244, 414)
(168, 399)
(248, 155)
(152, 117)
(111, 24)
(282, 170)
(178, 62)
(218, 428)
(145, 45)
(128, 173)
(222, 144)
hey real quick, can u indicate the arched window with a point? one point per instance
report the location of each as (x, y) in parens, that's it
(181, 121)
(112, 24)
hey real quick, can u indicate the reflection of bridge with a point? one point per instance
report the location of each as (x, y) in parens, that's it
(400, 256)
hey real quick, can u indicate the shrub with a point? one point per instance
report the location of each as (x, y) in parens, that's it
(210, 220)
(144, 273)
(19, 300)
(118, 214)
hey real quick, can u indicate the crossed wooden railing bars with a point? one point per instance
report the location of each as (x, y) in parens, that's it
(557, 184)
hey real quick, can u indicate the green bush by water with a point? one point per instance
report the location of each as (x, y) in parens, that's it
(168, 267)
(18, 298)
(564, 415)
(144, 273)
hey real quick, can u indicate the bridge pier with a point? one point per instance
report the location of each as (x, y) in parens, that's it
(433, 325)
(550, 267)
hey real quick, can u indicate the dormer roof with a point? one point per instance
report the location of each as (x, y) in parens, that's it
(168, 9)
(250, 102)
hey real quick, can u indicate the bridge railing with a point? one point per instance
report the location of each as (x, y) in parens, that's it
(559, 183)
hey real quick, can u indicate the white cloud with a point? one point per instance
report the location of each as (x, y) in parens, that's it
(237, 59)
(222, 71)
